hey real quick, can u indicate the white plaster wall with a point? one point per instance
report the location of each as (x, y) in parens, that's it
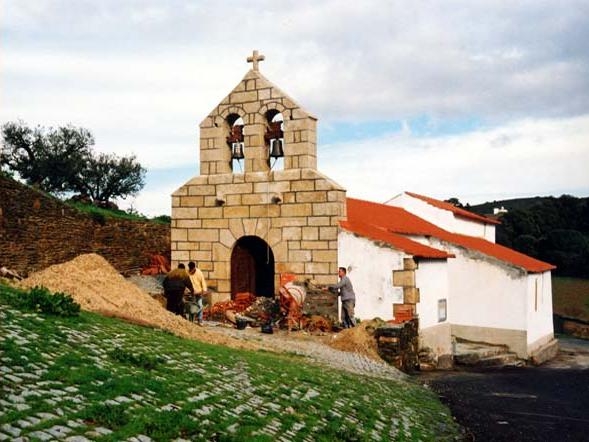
(474, 228)
(486, 293)
(443, 218)
(431, 277)
(539, 304)
(371, 275)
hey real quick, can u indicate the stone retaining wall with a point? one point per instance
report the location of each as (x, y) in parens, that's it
(37, 230)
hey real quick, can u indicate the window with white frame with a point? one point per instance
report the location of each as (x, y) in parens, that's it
(442, 310)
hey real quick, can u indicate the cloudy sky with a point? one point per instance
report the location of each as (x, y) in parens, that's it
(481, 101)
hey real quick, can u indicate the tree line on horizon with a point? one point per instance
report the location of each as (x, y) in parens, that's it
(552, 229)
(61, 161)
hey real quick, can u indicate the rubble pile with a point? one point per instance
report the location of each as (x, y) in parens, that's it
(237, 305)
(359, 339)
(316, 323)
(8, 274)
(262, 310)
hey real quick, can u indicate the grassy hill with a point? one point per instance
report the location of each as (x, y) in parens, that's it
(570, 297)
(87, 376)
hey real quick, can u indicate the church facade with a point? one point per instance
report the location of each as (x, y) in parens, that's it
(259, 208)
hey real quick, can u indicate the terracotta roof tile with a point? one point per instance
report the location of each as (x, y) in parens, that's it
(499, 252)
(452, 208)
(388, 224)
(397, 241)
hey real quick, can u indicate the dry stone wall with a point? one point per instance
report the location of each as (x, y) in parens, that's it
(37, 231)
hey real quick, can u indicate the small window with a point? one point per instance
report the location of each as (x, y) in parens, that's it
(442, 310)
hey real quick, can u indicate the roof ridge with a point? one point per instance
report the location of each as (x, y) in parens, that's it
(459, 211)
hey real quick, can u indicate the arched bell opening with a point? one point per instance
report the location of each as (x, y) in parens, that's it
(235, 141)
(274, 139)
(252, 267)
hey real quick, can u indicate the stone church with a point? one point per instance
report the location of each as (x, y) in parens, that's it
(259, 208)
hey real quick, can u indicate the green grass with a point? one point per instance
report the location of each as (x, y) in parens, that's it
(134, 380)
(100, 215)
(570, 297)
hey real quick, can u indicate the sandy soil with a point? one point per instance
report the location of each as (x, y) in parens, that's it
(98, 287)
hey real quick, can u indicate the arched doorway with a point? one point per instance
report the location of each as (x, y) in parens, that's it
(252, 267)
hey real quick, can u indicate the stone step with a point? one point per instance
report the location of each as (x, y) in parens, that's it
(484, 355)
(502, 360)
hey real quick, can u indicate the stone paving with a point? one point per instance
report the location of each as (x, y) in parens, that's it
(314, 350)
(224, 394)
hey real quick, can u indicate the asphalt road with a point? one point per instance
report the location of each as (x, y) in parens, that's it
(546, 403)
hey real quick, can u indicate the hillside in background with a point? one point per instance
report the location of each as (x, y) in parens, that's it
(553, 229)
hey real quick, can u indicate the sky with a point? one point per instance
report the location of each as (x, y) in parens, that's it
(479, 101)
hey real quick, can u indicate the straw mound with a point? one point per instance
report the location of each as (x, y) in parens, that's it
(359, 339)
(98, 287)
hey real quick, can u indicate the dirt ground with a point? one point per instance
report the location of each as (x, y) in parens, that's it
(546, 403)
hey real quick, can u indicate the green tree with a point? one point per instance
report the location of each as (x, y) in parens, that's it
(45, 158)
(62, 161)
(568, 250)
(106, 177)
(454, 201)
(526, 244)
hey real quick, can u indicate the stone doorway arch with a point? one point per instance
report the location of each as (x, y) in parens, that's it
(252, 267)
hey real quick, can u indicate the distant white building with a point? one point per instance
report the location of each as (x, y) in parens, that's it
(499, 210)
(447, 269)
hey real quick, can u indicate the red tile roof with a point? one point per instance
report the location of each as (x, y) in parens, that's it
(397, 241)
(452, 208)
(499, 252)
(389, 223)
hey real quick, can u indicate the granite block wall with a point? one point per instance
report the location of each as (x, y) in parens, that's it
(37, 231)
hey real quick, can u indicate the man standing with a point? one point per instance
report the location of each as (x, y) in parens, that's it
(348, 298)
(174, 284)
(200, 287)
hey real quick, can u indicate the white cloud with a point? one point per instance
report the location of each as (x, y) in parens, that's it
(524, 158)
(142, 74)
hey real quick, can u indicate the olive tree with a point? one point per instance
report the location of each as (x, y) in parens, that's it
(45, 158)
(61, 161)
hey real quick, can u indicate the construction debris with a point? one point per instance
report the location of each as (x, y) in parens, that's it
(158, 265)
(237, 305)
(292, 298)
(98, 287)
(9, 274)
(359, 339)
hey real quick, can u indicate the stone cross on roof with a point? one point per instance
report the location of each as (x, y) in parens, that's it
(255, 58)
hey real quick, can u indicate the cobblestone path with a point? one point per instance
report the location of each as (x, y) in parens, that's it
(40, 402)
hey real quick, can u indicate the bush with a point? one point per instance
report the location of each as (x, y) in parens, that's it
(42, 300)
(140, 360)
(163, 219)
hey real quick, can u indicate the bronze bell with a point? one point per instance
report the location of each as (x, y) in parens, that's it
(276, 150)
(237, 151)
